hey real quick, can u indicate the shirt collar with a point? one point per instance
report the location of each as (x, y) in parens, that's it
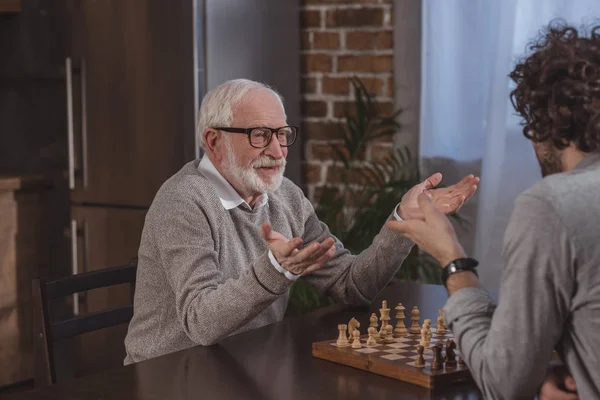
(229, 197)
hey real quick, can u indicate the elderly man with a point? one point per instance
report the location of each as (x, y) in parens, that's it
(550, 290)
(226, 236)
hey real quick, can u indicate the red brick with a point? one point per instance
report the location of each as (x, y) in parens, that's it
(317, 63)
(339, 86)
(314, 108)
(313, 173)
(354, 17)
(326, 40)
(305, 41)
(373, 85)
(389, 87)
(310, 19)
(341, 109)
(384, 40)
(324, 152)
(308, 85)
(321, 130)
(364, 63)
(359, 40)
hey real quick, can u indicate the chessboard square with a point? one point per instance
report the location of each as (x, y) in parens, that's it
(403, 339)
(395, 351)
(393, 357)
(368, 350)
(398, 345)
(425, 356)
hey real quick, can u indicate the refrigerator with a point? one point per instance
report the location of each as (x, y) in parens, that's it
(136, 71)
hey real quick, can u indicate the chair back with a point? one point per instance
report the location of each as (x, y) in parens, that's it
(47, 331)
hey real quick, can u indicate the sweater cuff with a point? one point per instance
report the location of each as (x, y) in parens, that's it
(467, 301)
(280, 269)
(271, 279)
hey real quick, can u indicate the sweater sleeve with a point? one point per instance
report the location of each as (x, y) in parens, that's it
(202, 294)
(506, 347)
(355, 279)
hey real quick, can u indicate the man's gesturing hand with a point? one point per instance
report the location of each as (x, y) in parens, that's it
(298, 262)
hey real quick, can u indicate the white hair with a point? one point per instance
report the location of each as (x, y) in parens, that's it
(218, 104)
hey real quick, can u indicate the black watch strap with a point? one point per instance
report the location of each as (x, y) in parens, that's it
(458, 265)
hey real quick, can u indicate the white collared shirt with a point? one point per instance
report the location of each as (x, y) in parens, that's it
(230, 199)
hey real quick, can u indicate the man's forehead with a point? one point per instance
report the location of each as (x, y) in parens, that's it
(259, 110)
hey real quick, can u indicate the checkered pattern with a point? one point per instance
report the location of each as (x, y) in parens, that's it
(404, 349)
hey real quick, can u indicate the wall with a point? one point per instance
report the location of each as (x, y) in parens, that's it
(341, 39)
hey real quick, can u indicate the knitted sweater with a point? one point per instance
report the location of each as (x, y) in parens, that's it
(204, 272)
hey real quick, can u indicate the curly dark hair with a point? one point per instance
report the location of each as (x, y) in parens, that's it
(558, 88)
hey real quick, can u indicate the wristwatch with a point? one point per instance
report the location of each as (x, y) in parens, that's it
(458, 265)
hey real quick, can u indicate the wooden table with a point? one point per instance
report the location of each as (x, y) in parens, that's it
(273, 362)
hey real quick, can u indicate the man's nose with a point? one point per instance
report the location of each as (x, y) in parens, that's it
(274, 149)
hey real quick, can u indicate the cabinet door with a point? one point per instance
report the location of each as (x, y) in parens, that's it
(133, 97)
(106, 237)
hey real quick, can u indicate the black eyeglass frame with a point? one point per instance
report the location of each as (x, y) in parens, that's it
(248, 131)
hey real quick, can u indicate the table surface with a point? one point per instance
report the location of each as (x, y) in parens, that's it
(273, 362)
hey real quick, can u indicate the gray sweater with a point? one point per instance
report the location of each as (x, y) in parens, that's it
(549, 294)
(204, 273)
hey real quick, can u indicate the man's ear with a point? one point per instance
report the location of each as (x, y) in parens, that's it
(211, 137)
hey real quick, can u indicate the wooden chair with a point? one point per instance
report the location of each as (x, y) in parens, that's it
(47, 332)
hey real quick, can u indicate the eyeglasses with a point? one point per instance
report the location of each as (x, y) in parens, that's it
(260, 137)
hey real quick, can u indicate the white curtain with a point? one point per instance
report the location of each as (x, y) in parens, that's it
(467, 124)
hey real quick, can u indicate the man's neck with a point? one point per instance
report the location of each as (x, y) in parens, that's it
(571, 156)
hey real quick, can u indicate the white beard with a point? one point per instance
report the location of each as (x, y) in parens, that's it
(248, 177)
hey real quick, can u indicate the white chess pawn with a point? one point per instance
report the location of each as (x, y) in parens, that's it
(371, 340)
(356, 342)
(389, 337)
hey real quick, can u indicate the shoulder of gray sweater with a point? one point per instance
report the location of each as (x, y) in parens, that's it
(187, 185)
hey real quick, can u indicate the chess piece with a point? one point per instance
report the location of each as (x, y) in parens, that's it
(450, 354)
(371, 340)
(400, 330)
(373, 321)
(385, 314)
(441, 325)
(356, 341)
(415, 316)
(437, 362)
(425, 334)
(382, 335)
(389, 337)
(352, 325)
(342, 340)
(420, 361)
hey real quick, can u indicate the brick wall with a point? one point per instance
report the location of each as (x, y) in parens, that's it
(341, 39)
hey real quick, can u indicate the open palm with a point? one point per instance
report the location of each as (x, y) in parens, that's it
(447, 200)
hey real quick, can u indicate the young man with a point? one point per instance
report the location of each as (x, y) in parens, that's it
(227, 235)
(550, 291)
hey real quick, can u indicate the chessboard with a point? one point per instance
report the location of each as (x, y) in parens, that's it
(396, 360)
